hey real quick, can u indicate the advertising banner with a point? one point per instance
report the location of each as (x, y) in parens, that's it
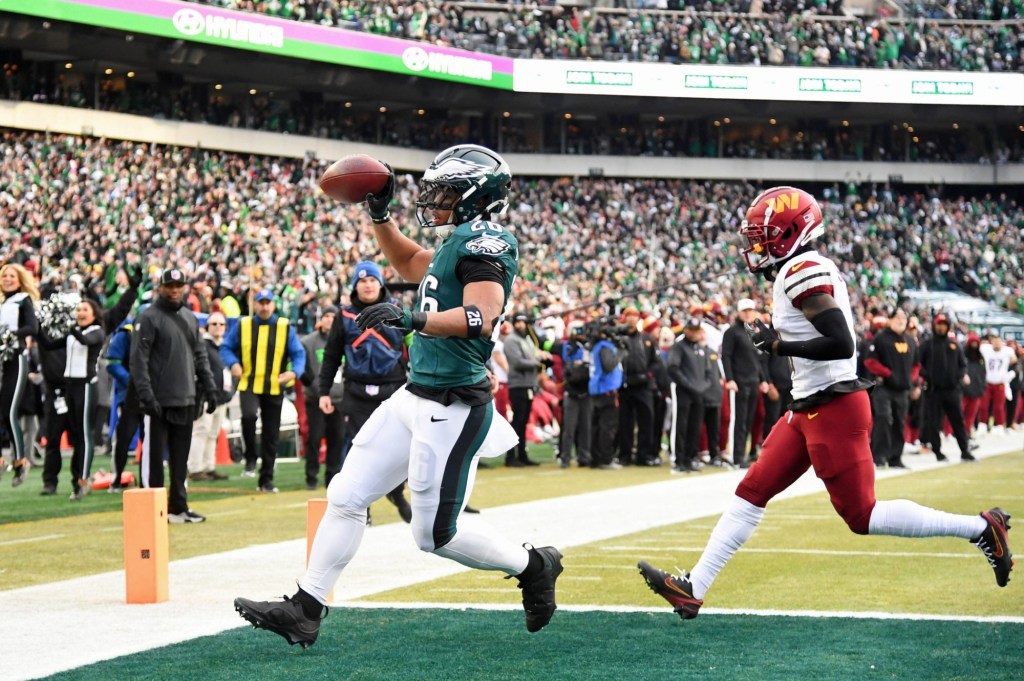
(270, 35)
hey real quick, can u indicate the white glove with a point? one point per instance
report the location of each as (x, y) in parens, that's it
(1009, 393)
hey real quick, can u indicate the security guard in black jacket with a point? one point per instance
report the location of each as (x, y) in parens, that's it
(688, 367)
(944, 370)
(744, 377)
(167, 358)
(890, 359)
(636, 396)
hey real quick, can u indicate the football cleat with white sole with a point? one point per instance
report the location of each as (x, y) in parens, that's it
(994, 543)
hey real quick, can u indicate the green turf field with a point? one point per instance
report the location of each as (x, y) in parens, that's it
(437, 645)
(802, 558)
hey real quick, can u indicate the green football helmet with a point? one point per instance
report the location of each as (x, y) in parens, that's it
(469, 180)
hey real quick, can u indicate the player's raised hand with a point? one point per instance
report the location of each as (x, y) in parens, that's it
(762, 335)
(379, 203)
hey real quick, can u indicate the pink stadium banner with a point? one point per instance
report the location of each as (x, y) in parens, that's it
(271, 35)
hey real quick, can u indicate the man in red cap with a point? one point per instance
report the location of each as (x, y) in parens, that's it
(636, 396)
(944, 371)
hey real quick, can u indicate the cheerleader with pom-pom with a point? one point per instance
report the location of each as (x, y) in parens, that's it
(18, 325)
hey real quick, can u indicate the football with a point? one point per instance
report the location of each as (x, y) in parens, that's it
(350, 179)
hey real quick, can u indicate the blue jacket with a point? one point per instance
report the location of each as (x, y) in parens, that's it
(231, 348)
(118, 355)
(602, 381)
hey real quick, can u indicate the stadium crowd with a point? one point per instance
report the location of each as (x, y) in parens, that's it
(99, 218)
(234, 220)
(779, 33)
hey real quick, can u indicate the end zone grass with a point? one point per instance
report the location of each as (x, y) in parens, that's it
(376, 644)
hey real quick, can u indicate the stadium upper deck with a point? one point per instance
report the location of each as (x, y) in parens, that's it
(358, 86)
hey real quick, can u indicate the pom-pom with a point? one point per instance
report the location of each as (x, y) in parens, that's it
(57, 315)
(9, 345)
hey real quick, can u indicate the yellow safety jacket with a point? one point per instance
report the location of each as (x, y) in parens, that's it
(263, 356)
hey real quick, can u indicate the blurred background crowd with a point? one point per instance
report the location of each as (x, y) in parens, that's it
(237, 222)
(786, 32)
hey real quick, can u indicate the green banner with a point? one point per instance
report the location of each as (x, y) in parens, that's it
(279, 37)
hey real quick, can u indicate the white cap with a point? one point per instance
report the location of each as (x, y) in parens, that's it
(745, 304)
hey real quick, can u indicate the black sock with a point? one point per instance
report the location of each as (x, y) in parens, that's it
(535, 565)
(310, 606)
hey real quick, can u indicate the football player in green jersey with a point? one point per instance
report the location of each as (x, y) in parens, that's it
(435, 429)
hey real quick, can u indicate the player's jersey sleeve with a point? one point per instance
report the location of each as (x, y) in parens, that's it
(805, 278)
(483, 239)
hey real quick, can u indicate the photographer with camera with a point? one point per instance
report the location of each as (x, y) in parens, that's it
(605, 381)
(577, 405)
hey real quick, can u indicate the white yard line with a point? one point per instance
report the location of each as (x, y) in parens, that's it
(809, 552)
(90, 619)
(845, 614)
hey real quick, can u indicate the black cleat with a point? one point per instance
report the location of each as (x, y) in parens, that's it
(678, 591)
(539, 590)
(285, 618)
(994, 543)
(404, 509)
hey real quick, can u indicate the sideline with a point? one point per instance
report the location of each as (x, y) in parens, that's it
(88, 621)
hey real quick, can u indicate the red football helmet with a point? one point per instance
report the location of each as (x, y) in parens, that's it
(778, 223)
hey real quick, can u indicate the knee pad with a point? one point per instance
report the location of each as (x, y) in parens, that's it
(343, 501)
(857, 519)
(750, 493)
(423, 534)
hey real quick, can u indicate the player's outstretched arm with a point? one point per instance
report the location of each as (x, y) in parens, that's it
(482, 303)
(481, 306)
(408, 258)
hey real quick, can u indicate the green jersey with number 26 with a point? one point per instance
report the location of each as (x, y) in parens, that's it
(456, 362)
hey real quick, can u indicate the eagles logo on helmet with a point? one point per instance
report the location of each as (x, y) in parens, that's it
(469, 180)
(778, 224)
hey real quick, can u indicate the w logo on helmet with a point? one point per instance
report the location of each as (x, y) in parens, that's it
(488, 245)
(783, 202)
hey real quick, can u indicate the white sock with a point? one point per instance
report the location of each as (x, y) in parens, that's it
(903, 518)
(485, 551)
(336, 542)
(734, 528)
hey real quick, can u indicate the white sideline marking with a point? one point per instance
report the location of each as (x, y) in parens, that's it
(202, 588)
(813, 552)
(26, 540)
(834, 614)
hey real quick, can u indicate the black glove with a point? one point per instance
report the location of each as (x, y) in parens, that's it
(380, 203)
(390, 315)
(152, 408)
(211, 405)
(761, 335)
(134, 275)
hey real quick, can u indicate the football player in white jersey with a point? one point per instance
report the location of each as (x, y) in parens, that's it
(828, 426)
(999, 360)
